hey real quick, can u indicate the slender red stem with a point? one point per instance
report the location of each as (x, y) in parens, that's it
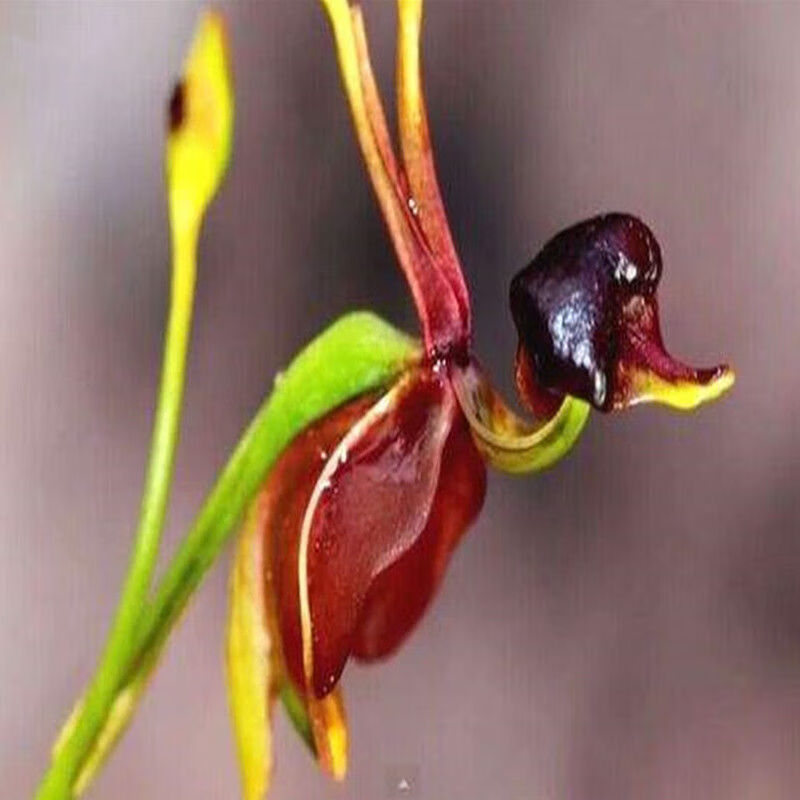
(438, 306)
(415, 144)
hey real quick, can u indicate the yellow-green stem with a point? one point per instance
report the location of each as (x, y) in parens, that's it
(58, 781)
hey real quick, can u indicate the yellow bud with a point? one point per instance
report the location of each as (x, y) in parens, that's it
(200, 125)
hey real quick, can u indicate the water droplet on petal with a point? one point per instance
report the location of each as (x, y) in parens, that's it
(599, 388)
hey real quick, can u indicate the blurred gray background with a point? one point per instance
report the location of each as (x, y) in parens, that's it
(624, 626)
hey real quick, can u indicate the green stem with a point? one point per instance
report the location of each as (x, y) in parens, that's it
(121, 642)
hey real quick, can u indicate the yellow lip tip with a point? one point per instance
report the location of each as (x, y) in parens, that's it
(719, 385)
(685, 395)
(728, 378)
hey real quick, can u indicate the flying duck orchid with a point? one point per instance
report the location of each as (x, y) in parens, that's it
(350, 535)
(360, 472)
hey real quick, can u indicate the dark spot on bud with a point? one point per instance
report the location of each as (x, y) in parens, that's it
(177, 106)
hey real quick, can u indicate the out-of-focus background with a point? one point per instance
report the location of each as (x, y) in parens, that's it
(626, 625)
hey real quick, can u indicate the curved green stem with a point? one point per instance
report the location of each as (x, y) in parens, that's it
(197, 152)
(120, 644)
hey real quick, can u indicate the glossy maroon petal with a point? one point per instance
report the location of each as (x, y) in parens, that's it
(385, 488)
(399, 596)
(287, 492)
(376, 521)
(542, 403)
(369, 507)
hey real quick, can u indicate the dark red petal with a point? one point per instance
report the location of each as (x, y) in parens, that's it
(287, 492)
(370, 509)
(381, 523)
(399, 596)
(542, 403)
(645, 371)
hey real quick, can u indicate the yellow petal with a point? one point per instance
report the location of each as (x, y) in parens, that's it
(329, 726)
(251, 678)
(683, 395)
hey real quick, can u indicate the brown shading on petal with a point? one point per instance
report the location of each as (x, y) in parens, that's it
(646, 372)
(369, 509)
(542, 403)
(287, 492)
(399, 596)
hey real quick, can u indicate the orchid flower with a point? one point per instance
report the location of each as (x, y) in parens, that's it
(367, 462)
(349, 538)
